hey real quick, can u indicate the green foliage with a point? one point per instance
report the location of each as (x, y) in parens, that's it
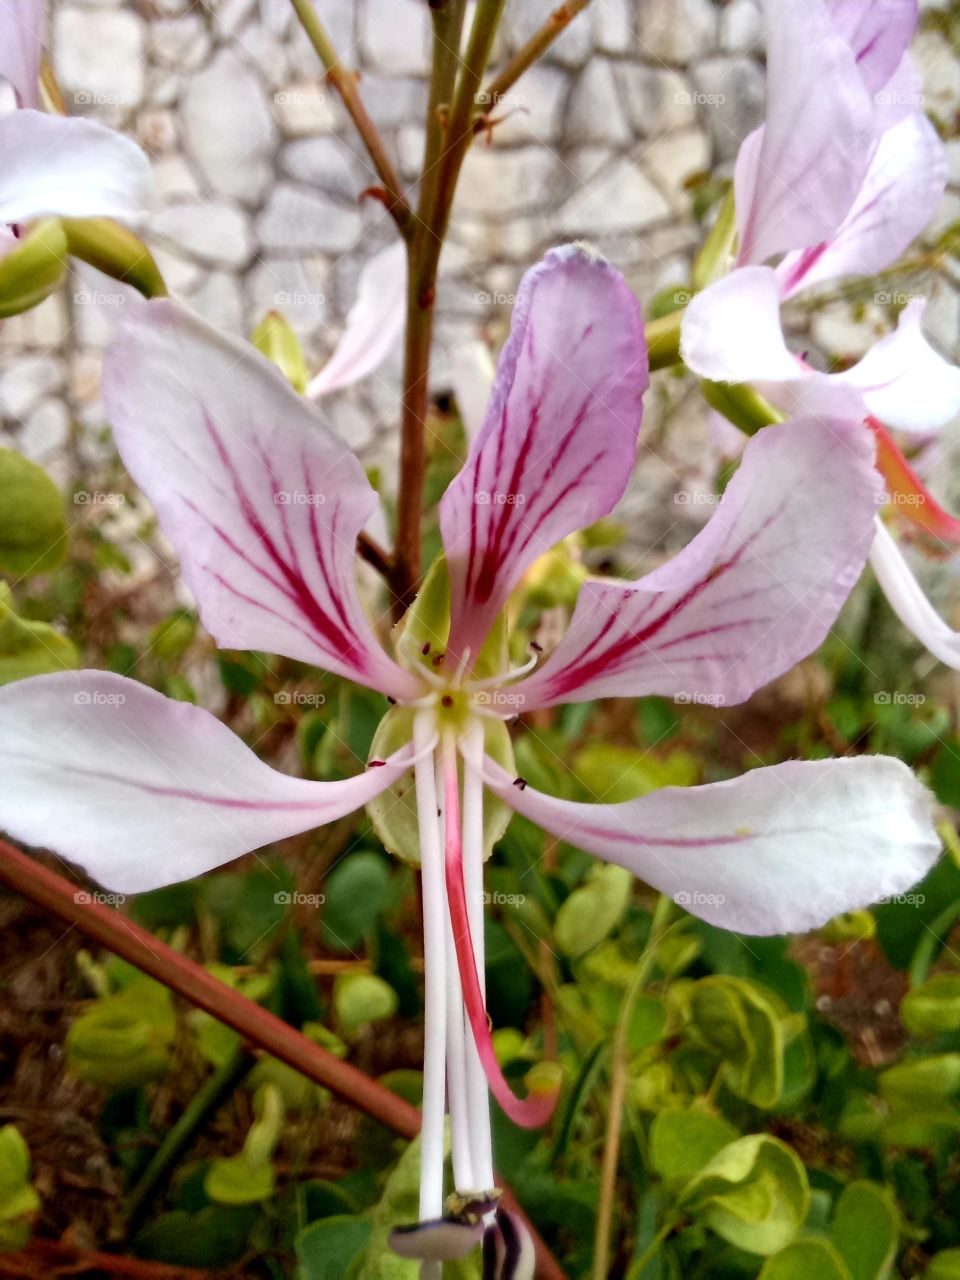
(30, 648)
(33, 527)
(19, 1201)
(125, 1039)
(275, 339)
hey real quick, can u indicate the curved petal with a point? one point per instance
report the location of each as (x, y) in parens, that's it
(472, 374)
(797, 176)
(731, 331)
(261, 501)
(878, 34)
(753, 593)
(560, 435)
(899, 196)
(21, 39)
(143, 791)
(906, 599)
(778, 850)
(911, 498)
(373, 326)
(69, 168)
(903, 381)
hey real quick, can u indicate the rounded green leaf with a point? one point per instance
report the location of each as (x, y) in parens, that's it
(360, 998)
(933, 1007)
(944, 1265)
(753, 1193)
(33, 528)
(866, 1230)
(235, 1181)
(744, 1025)
(328, 1248)
(806, 1260)
(683, 1142)
(30, 648)
(124, 1040)
(592, 911)
(924, 1080)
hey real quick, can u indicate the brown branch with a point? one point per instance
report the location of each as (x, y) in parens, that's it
(61, 898)
(371, 551)
(531, 52)
(345, 83)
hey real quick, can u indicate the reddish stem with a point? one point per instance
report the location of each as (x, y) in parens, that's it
(922, 509)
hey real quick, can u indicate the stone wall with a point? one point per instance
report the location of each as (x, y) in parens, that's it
(259, 170)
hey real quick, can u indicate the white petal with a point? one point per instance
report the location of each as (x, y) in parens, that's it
(731, 331)
(908, 602)
(373, 326)
(51, 166)
(143, 791)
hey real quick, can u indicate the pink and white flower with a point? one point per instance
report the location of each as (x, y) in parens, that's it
(839, 181)
(263, 504)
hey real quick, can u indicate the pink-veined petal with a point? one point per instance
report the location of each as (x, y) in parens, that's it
(754, 592)
(778, 850)
(903, 381)
(899, 196)
(374, 323)
(878, 32)
(53, 166)
(731, 331)
(908, 602)
(559, 440)
(262, 502)
(798, 175)
(21, 39)
(472, 372)
(143, 791)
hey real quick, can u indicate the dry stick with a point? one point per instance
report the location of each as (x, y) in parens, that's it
(58, 896)
(529, 53)
(345, 83)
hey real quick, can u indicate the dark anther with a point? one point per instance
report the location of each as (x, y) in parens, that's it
(446, 701)
(392, 701)
(520, 784)
(437, 659)
(376, 764)
(537, 648)
(426, 649)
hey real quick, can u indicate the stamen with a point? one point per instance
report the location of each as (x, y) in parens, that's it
(494, 682)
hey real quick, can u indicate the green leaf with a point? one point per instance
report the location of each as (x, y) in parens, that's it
(682, 1142)
(275, 339)
(30, 648)
(592, 911)
(124, 1040)
(327, 1249)
(811, 1259)
(612, 773)
(214, 1237)
(866, 1231)
(233, 1180)
(19, 1201)
(33, 528)
(743, 1025)
(924, 1080)
(933, 1007)
(355, 893)
(753, 1193)
(944, 1265)
(33, 269)
(361, 998)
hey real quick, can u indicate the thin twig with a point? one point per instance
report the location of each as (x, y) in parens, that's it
(345, 83)
(371, 551)
(531, 52)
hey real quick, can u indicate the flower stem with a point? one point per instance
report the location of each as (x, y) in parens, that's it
(618, 1087)
(345, 83)
(531, 52)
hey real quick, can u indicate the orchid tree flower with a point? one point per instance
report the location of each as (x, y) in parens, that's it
(52, 166)
(843, 195)
(263, 504)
